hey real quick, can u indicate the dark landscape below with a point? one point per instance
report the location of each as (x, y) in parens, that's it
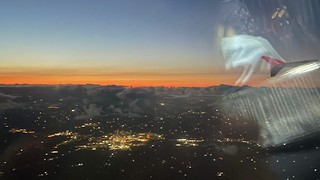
(114, 132)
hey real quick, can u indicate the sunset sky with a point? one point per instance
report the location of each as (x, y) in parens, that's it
(123, 42)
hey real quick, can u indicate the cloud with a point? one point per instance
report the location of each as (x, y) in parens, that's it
(5, 96)
(91, 111)
(231, 149)
(97, 101)
(7, 102)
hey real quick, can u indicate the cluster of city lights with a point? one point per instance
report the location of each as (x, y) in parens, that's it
(120, 140)
(23, 131)
(230, 140)
(188, 142)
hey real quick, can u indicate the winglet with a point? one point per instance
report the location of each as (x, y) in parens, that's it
(273, 61)
(276, 64)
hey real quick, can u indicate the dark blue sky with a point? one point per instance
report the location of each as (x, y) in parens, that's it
(117, 36)
(179, 32)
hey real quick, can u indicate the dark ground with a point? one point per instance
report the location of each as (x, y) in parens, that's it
(174, 113)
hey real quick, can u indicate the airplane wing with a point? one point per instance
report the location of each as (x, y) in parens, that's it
(277, 64)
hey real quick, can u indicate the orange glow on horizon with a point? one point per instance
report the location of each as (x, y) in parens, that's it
(185, 82)
(172, 82)
(134, 79)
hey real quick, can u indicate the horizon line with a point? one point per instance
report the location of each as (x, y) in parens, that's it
(119, 85)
